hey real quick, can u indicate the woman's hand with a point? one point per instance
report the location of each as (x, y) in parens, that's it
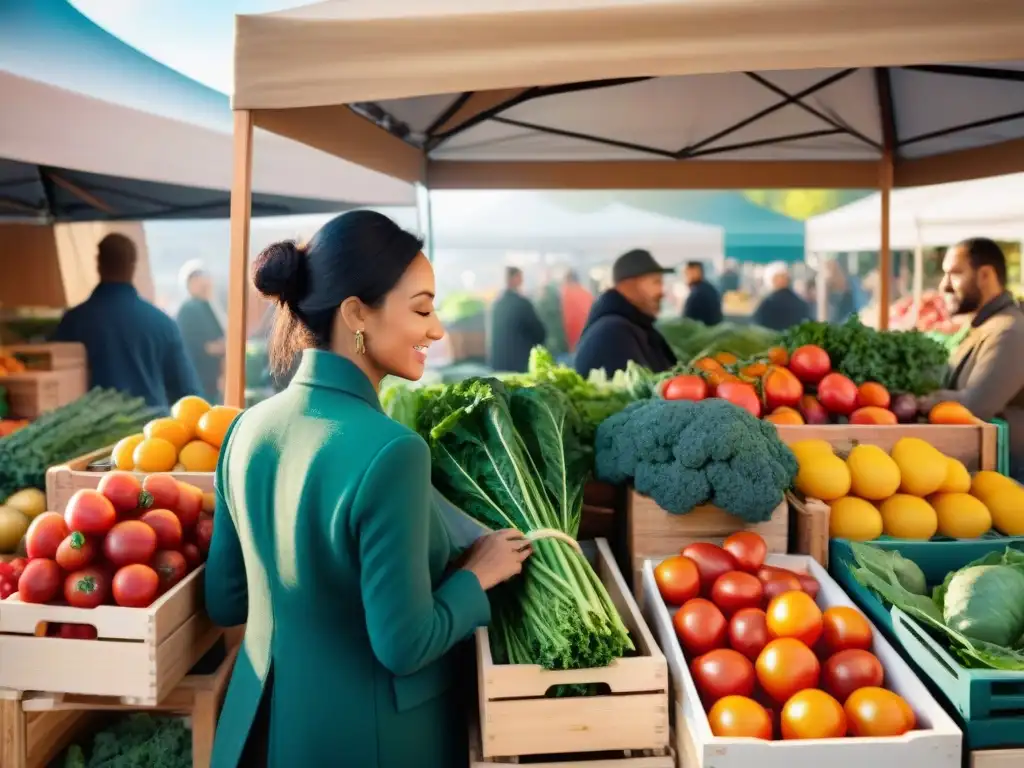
(497, 557)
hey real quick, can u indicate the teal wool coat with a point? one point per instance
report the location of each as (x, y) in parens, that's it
(328, 545)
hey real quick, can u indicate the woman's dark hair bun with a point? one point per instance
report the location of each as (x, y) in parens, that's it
(281, 272)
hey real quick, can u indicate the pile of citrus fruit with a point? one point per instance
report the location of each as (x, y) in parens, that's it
(188, 440)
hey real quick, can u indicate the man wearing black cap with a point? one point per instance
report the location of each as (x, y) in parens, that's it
(620, 327)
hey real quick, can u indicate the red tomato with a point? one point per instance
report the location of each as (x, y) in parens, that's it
(740, 394)
(685, 388)
(748, 632)
(786, 666)
(722, 672)
(40, 582)
(877, 712)
(190, 504)
(204, 533)
(165, 525)
(808, 584)
(838, 394)
(77, 632)
(8, 587)
(845, 627)
(739, 717)
(17, 566)
(795, 614)
(849, 670)
(813, 714)
(87, 588)
(45, 534)
(124, 491)
(736, 590)
(779, 584)
(90, 512)
(810, 363)
(192, 555)
(813, 411)
(75, 552)
(170, 567)
(135, 586)
(130, 541)
(781, 388)
(162, 489)
(700, 627)
(748, 548)
(712, 561)
(678, 579)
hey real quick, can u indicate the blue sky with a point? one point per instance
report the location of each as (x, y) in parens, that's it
(194, 37)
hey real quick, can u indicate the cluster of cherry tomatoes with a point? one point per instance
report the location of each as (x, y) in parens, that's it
(126, 542)
(766, 660)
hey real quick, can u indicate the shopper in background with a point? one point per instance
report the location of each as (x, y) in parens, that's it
(202, 328)
(729, 280)
(620, 327)
(986, 371)
(704, 302)
(782, 308)
(130, 345)
(841, 300)
(514, 329)
(576, 304)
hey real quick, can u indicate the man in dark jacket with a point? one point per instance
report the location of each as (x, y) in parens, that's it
(131, 345)
(515, 328)
(704, 302)
(620, 327)
(782, 308)
(201, 329)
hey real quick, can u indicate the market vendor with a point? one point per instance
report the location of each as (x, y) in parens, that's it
(327, 543)
(986, 371)
(620, 327)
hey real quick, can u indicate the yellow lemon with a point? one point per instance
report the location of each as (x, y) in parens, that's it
(908, 517)
(873, 473)
(922, 466)
(171, 430)
(855, 519)
(188, 411)
(122, 453)
(961, 516)
(154, 454)
(198, 456)
(958, 479)
(823, 476)
(811, 447)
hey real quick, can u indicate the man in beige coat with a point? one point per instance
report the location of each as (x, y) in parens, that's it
(986, 372)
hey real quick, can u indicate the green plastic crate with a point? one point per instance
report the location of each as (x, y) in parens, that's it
(987, 704)
(1002, 446)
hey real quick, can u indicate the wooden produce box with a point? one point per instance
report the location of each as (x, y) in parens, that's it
(63, 480)
(141, 654)
(517, 719)
(937, 743)
(52, 356)
(809, 520)
(56, 374)
(996, 758)
(653, 532)
(975, 445)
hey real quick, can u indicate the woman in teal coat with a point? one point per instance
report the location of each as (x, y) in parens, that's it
(326, 542)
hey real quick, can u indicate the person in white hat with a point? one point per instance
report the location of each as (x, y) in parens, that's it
(202, 327)
(782, 308)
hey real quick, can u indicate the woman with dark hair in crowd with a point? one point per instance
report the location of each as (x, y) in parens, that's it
(326, 543)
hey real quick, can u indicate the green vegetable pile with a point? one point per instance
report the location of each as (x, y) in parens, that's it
(511, 457)
(692, 340)
(684, 454)
(98, 419)
(136, 741)
(978, 610)
(901, 361)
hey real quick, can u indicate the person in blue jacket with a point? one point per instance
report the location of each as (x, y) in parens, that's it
(130, 345)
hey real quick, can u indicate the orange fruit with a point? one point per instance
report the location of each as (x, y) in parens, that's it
(154, 454)
(213, 424)
(171, 430)
(951, 413)
(785, 415)
(188, 411)
(198, 456)
(778, 356)
(122, 453)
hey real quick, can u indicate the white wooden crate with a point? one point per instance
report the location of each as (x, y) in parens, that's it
(937, 743)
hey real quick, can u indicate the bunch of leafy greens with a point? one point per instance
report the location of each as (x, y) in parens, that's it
(511, 457)
(901, 361)
(135, 741)
(978, 610)
(692, 340)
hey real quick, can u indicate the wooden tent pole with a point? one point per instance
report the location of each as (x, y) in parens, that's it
(885, 252)
(238, 274)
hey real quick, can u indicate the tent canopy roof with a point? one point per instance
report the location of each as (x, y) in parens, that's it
(644, 93)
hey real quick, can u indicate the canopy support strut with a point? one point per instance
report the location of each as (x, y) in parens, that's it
(885, 253)
(238, 275)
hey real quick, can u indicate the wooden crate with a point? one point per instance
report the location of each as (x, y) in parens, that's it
(63, 480)
(974, 445)
(809, 518)
(33, 393)
(140, 655)
(52, 356)
(653, 532)
(517, 720)
(996, 758)
(35, 728)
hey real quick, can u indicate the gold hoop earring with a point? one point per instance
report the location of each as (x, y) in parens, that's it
(360, 343)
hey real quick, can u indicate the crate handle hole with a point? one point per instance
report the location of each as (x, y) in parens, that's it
(66, 631)
(578, 689)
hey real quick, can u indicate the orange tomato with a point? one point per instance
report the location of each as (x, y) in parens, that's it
(678, 579)
(951, 413)
(740, 394)
(778, 356)
(781, 387)
(726, 358)
(813, 714)
(785, 415)
(786, 666)
(796, 615)
(871, 393)
(844, 627)
(740, 717)
(754, 370)
(708, 364)
(872, 414)
(878, 712)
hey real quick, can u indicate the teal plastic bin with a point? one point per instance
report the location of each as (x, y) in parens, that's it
(1002, 446)
(987, 704)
